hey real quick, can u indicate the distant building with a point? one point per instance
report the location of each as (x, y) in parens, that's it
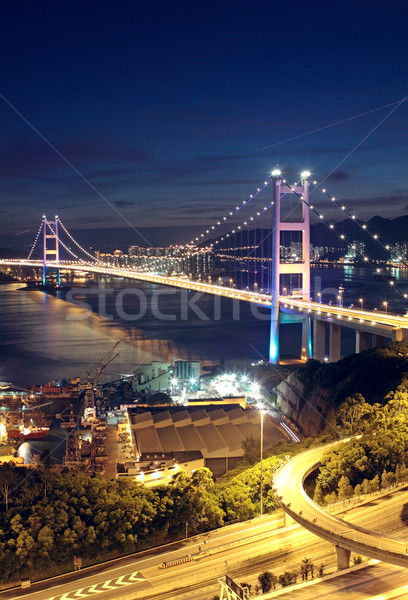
(166, 440)
(159, 375)
(355, 250)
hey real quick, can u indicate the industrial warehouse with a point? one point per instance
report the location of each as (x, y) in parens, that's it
(191, 437)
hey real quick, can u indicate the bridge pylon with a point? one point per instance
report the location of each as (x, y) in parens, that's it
(50, 249)
(279, 268)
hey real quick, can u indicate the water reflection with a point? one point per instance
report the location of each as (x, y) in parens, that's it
(43, 338)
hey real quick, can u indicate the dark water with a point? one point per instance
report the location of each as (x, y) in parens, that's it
(43, 337)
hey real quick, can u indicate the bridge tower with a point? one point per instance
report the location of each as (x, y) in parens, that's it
(50, 249)
(279, 268)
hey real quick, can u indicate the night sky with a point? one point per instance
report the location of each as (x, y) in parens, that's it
(165, 107)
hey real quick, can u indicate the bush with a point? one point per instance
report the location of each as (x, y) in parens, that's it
(267, 580)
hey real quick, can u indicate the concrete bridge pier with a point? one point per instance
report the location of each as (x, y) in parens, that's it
(306, 339)
(362, 341)
(334, 342)
(287, 520)
(400, 335)
(379, 340)
(319, 340)
(343, 558)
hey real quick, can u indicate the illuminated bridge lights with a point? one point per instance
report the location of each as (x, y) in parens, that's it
(375, 319)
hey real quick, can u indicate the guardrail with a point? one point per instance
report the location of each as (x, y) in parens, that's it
(331, 527)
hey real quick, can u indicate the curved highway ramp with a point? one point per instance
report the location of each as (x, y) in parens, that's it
(346, 537)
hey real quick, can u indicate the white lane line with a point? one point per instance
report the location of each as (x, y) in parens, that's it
(120, 582)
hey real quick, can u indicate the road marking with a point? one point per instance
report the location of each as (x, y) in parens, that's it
(79, 594)
(106, 585)
(136, 576)
(120, 582)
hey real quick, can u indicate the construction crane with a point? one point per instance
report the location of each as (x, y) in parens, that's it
(73, 441)
(72, 456)
(89, 406)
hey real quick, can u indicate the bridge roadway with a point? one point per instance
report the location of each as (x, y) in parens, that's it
(379, 323)
(345, 536)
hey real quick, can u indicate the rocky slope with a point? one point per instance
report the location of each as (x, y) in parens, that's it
(309, 394)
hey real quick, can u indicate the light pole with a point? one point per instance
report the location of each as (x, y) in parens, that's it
(385, 304)
(361, 300)
(261, 486)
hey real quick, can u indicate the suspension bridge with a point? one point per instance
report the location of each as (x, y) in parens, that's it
(258, 271)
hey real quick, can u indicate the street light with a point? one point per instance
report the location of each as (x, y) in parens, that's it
(261, 486)
(385, 303)
(361, 300)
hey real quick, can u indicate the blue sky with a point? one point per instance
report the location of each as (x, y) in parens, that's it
(163, 108)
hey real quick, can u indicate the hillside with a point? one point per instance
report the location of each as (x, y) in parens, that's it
(309, 394)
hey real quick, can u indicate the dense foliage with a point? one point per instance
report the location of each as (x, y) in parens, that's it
(376, 458)
(372, 373)
(48, 518)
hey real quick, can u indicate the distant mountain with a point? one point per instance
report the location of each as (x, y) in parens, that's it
(389, 230)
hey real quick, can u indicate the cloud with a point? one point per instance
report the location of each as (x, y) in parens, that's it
(120, 203)
(338, 176)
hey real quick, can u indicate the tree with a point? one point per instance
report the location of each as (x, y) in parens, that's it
(318, 495)
(387, 480)
(248, 586)
(252, 450)
(305, 568)
(358, 490)
(345, 490)
(374, 485)
(8, 479)
(159, 398)
(267, 580)
(330, 498)
(320, 571)
(353, 413)
(303, 572)
(288, 578)
(236, 502)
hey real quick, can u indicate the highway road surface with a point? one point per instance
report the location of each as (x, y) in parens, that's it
(379, 322)
(288, 482)
(376, 582)
(242, 550)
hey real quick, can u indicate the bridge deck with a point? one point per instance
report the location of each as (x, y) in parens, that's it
(374, 322)
(288, 483)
